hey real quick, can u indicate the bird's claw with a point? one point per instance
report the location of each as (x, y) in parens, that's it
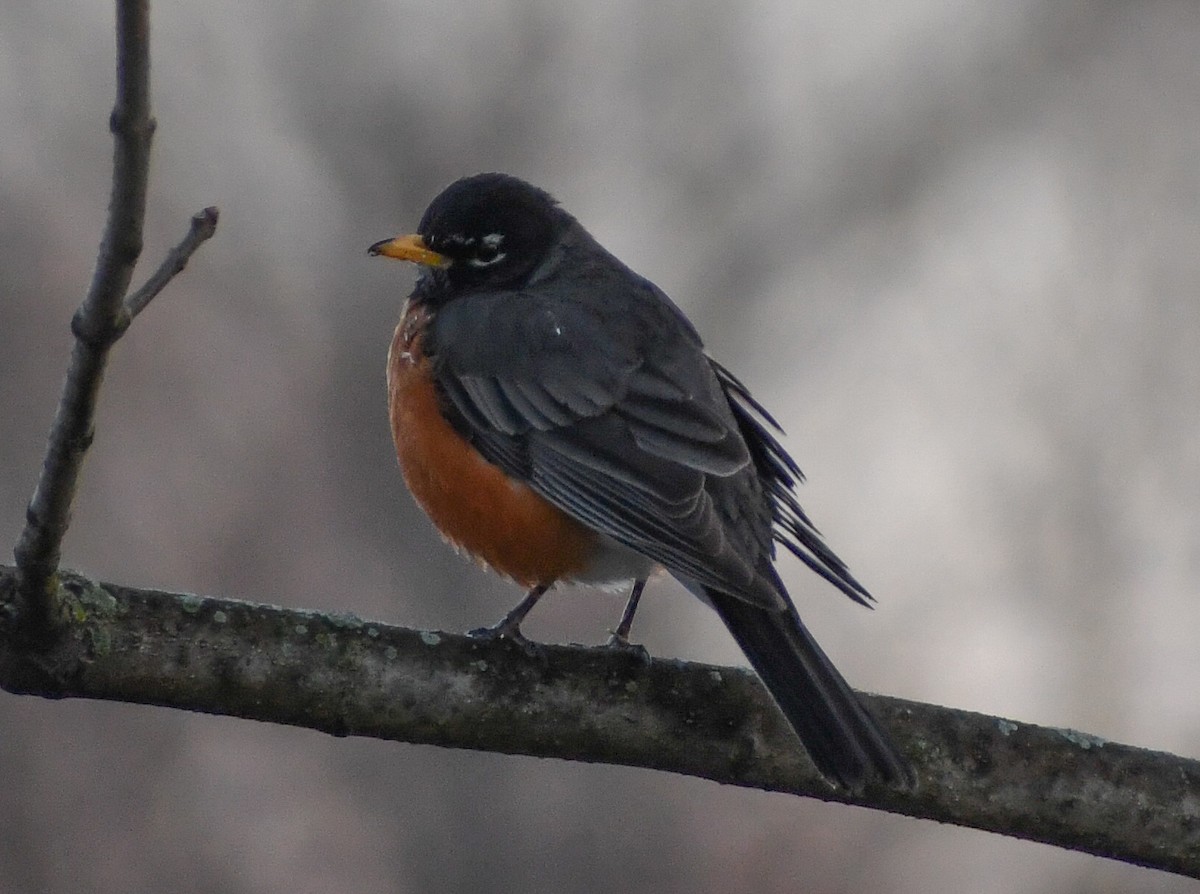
(507, 630)
(621, 644)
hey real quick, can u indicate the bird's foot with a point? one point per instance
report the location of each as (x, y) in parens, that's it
(509, 630)
(509, 627)
(620, 643)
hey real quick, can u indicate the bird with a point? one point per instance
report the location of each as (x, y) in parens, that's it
(559, 420)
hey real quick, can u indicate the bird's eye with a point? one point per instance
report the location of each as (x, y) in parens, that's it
(489, 252)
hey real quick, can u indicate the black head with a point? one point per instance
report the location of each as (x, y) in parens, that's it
(494, 229)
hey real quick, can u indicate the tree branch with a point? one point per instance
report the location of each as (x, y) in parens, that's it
(38, 550)
(99, 322)
(345, 676)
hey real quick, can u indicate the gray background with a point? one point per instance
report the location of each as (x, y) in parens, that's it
(953, 244)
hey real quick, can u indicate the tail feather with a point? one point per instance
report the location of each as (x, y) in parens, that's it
(845, 742)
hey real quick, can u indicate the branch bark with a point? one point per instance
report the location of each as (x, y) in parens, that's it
(346, 676)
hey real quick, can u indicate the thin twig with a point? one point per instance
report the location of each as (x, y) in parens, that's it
(204, 224)
(346, 676)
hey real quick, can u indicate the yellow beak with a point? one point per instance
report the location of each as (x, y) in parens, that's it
(408, 248)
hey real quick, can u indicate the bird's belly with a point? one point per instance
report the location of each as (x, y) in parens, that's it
(500, 522)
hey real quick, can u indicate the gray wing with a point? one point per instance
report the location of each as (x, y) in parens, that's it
(623, 424)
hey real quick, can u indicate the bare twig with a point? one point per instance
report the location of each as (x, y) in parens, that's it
(350, 677)
(204, 224)
(100, 320)
(94, 324)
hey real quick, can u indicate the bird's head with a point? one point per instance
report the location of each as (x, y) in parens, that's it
(487, 230)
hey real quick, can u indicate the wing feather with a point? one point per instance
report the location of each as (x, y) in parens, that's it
(644, 439)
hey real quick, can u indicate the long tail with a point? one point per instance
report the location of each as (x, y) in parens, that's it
(844, 740)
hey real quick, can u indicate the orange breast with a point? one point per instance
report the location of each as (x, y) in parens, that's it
(499, 522)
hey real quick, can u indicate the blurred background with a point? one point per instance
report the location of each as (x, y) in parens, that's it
(954, 245)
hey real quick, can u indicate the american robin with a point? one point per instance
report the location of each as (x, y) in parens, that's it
(557, 417)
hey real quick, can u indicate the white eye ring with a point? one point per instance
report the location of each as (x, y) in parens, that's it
(479, 262)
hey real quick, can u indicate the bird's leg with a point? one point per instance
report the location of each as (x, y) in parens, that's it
(510, 625)
(620, 636)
